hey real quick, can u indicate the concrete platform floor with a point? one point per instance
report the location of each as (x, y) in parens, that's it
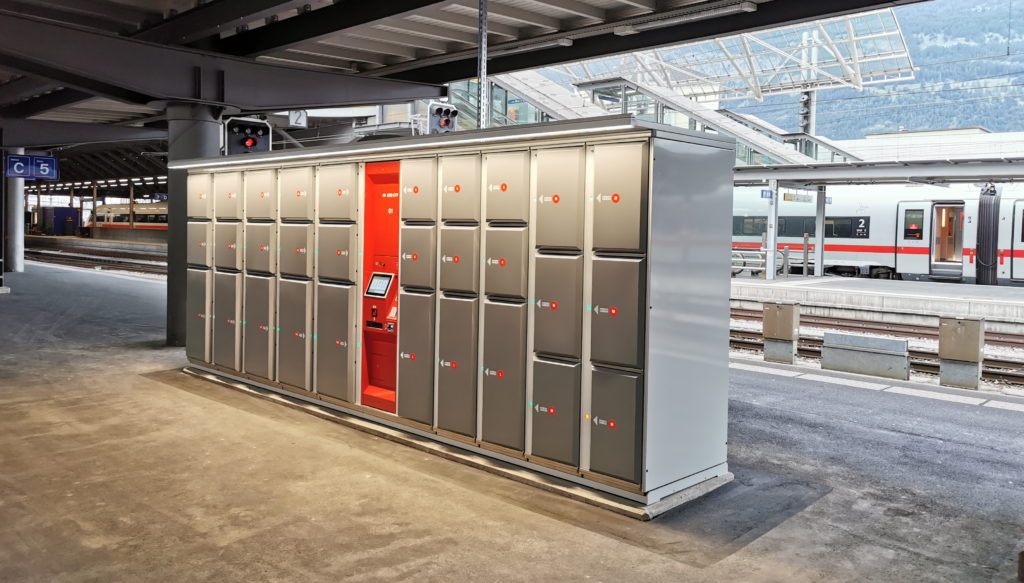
(115, 467)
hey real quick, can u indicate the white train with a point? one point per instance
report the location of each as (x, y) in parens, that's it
(922, 232)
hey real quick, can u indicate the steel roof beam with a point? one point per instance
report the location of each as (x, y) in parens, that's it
(31, 133)
(122, 69)
(212, 18)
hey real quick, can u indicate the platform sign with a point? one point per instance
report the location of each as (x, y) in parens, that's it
(31, 167)
(19, 167)
(766, 194)
(44, 167)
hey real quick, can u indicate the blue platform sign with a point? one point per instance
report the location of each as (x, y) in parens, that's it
(766, 194)
(31, 167)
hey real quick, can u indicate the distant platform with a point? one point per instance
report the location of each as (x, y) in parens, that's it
(82, 243)
(884, 300)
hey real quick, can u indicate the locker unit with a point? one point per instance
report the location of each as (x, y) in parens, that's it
(335, 341)
(200, 196)
(336, 252)
(537, 293)
(295, 314)
(457, 365)
(416, 357)
(199, 288)
(261, 247)
(227, 195)
(507, 261)
(227, 320)
(504, 374)
(460, 264)
(200, 243)
(297, 250)
(227, 253)
(460, 188)
(418, 266)
(337, 192)
(297, 193)
(258, 333)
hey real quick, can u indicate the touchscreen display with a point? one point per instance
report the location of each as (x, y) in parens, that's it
(379, 284)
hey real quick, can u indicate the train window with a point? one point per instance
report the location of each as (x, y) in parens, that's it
(848, 227)
(755, 226)
(160, 219)
(737, 226)
(120, 218)
(913, 224)
(796, 227)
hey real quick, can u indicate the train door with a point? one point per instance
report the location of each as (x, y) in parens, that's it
(913, 238)
(1017, 245)
(948, 240)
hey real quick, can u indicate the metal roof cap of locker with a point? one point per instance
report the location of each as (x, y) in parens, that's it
(467, 139)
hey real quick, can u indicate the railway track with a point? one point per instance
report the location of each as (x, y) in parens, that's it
(101, 260)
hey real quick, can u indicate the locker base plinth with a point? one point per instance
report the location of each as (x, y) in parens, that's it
(544, 474)
(456, 436)
(502, 450)
(379, 398)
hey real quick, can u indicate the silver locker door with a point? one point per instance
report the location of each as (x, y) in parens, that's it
(258, 333)
(504, 364)
(507, 262)
(556, 411)
(227, 254)
(508, 186)
(460, 188)
(417, 267)
(457, 374)
(261, 194)
(200, 196)
(336, 252)
(460, 264)
(295, 300)
(339, 189)
(618, 319)
(296, 250)
(335, 341)
(199, 283)
(416, 357)
(558, 309)
(297, 193)
(620, 196)
(261, 247)
(617, 407)
(227, 320)
(419, 189)
(227, 195)
(560, 181)
(200, 244)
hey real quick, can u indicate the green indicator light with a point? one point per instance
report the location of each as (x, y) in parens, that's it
(588, 307)
(358, 344)
(278, 248)
(530, 404)
(314, 337)
(533, 301)
(244, 322)
(278, 329)
(316, 250)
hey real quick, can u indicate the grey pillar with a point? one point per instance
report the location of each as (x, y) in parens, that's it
(819, 232)
(193, 131)
(772, 242)
(14, 254)
(483, 99)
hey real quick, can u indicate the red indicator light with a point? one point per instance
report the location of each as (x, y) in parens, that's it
(551, 410)
(613, 311)
(504, 187)
(455, 259)
(250, 142)
(554, 305)
(611, 424)
(412, 356)
(501, 262)
(338, 252)
(445, 123)
(415, 256)
(298, 250)
(341, 192)
(263, 195)
(616, 198)
(455, 365)
(415, 189)
(298, 193)
(337, 341)
(296, 333)
(556, 199)
(501, 374)
(458, 188)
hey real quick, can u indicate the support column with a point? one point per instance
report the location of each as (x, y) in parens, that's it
(14, 250)
(819, 232)
(193, 131)
(772, 240)
(483, 97)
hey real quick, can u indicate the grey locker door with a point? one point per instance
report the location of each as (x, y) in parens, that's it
(457, 374)
(556, 411)
(293, 340)
(460, 187)
(504, 364)
(508, 186)
(258, 326)
(620, 196)
(200, 196)
(261, 194)
(227, 253)
(618, 320)
(558, 305)
(460, 264)
(200, 242)
(336, 252)
(338, 192)
(296, 257)
(227, 195)
(261, 247)
(199, 284)
(419, 189)
(335, 341)
(297, 193)
(417, 267)
(617, 406)
(227, 326)
(560, 182)
(416, 357)
(507, 262)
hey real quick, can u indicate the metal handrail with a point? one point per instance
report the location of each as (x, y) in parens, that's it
(756, 261)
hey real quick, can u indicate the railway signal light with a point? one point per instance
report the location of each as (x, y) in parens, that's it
(246, 135)
(442, 118)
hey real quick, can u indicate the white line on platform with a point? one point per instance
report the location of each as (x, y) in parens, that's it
(936, 395)
(160, 280)
(844, 382)
(1006, 406)
(764, 370)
